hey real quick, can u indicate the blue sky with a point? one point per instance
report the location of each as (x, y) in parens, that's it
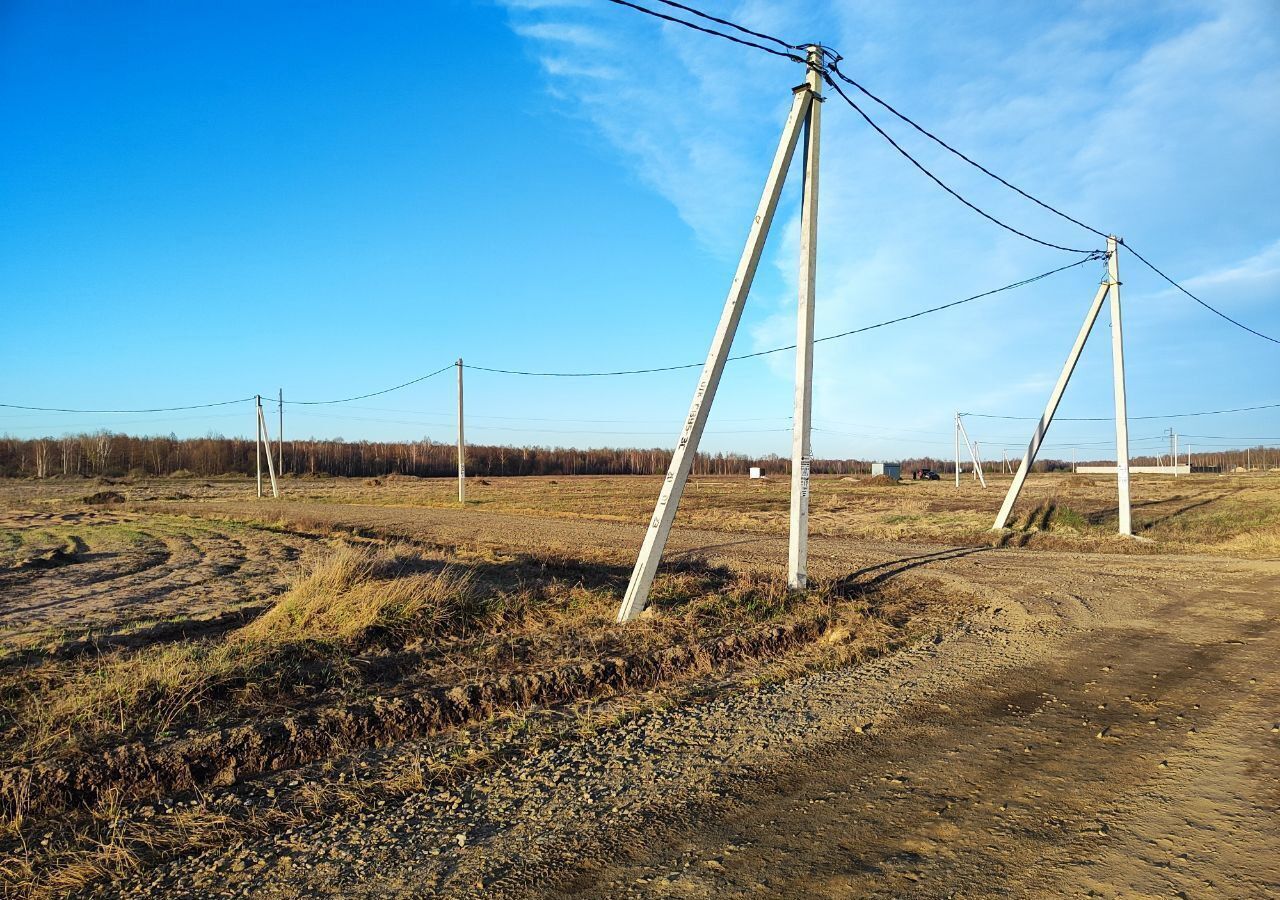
(206, 201)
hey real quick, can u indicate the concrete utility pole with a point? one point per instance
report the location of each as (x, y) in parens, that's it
(664, 512)
(801, 447)
(462, 444)
(1175, 454)
(280, 437)
(1117, 377)
(257, 438)
(957, 431)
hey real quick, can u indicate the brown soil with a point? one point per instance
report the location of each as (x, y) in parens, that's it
(114, 575)
(104, 497)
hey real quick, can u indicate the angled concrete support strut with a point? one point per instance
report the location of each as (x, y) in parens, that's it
(1109, 289)
(1042, 426)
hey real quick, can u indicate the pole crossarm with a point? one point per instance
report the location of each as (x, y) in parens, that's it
(655, 539)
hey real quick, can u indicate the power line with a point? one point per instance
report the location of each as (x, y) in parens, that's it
(114, 411)
(835, 58)
(834, 66)
(938, 181)
(734, 25)
(1223, 437)
(1089, 256)
(581, 374)
(1185, 415)
(470, 415)
(374, 393)
(720, 34)
(1212, 309)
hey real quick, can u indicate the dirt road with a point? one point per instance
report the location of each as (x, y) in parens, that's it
(1106, 725)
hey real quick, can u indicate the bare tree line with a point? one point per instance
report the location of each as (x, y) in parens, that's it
(105, 453)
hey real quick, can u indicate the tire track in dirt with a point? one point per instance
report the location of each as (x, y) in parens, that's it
(153, 570)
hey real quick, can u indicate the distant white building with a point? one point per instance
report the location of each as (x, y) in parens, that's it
(755, 472)
(888, 470)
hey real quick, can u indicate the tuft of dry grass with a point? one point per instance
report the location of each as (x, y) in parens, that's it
(357, 593)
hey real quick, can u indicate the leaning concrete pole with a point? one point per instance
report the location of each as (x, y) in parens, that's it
(664, 513)
(1042, 427)
(1117, 375)
(266, 443)
(802, 425)
(973, 452)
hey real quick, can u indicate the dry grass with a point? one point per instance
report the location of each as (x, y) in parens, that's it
(357, 593)
(363, 615)
(355, 597)
(107, 843)
(1185, 514)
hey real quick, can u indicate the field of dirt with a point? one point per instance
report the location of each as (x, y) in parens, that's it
(947, 712)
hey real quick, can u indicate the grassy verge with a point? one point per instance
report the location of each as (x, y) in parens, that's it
(358, 619)
(365, 621)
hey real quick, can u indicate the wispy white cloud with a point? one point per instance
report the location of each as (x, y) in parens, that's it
(538, 5)
(565, 67)
(560, 33)
(1254, 278)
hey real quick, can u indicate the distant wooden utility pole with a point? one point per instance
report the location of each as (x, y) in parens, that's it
(805, 99)
(462, 444)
